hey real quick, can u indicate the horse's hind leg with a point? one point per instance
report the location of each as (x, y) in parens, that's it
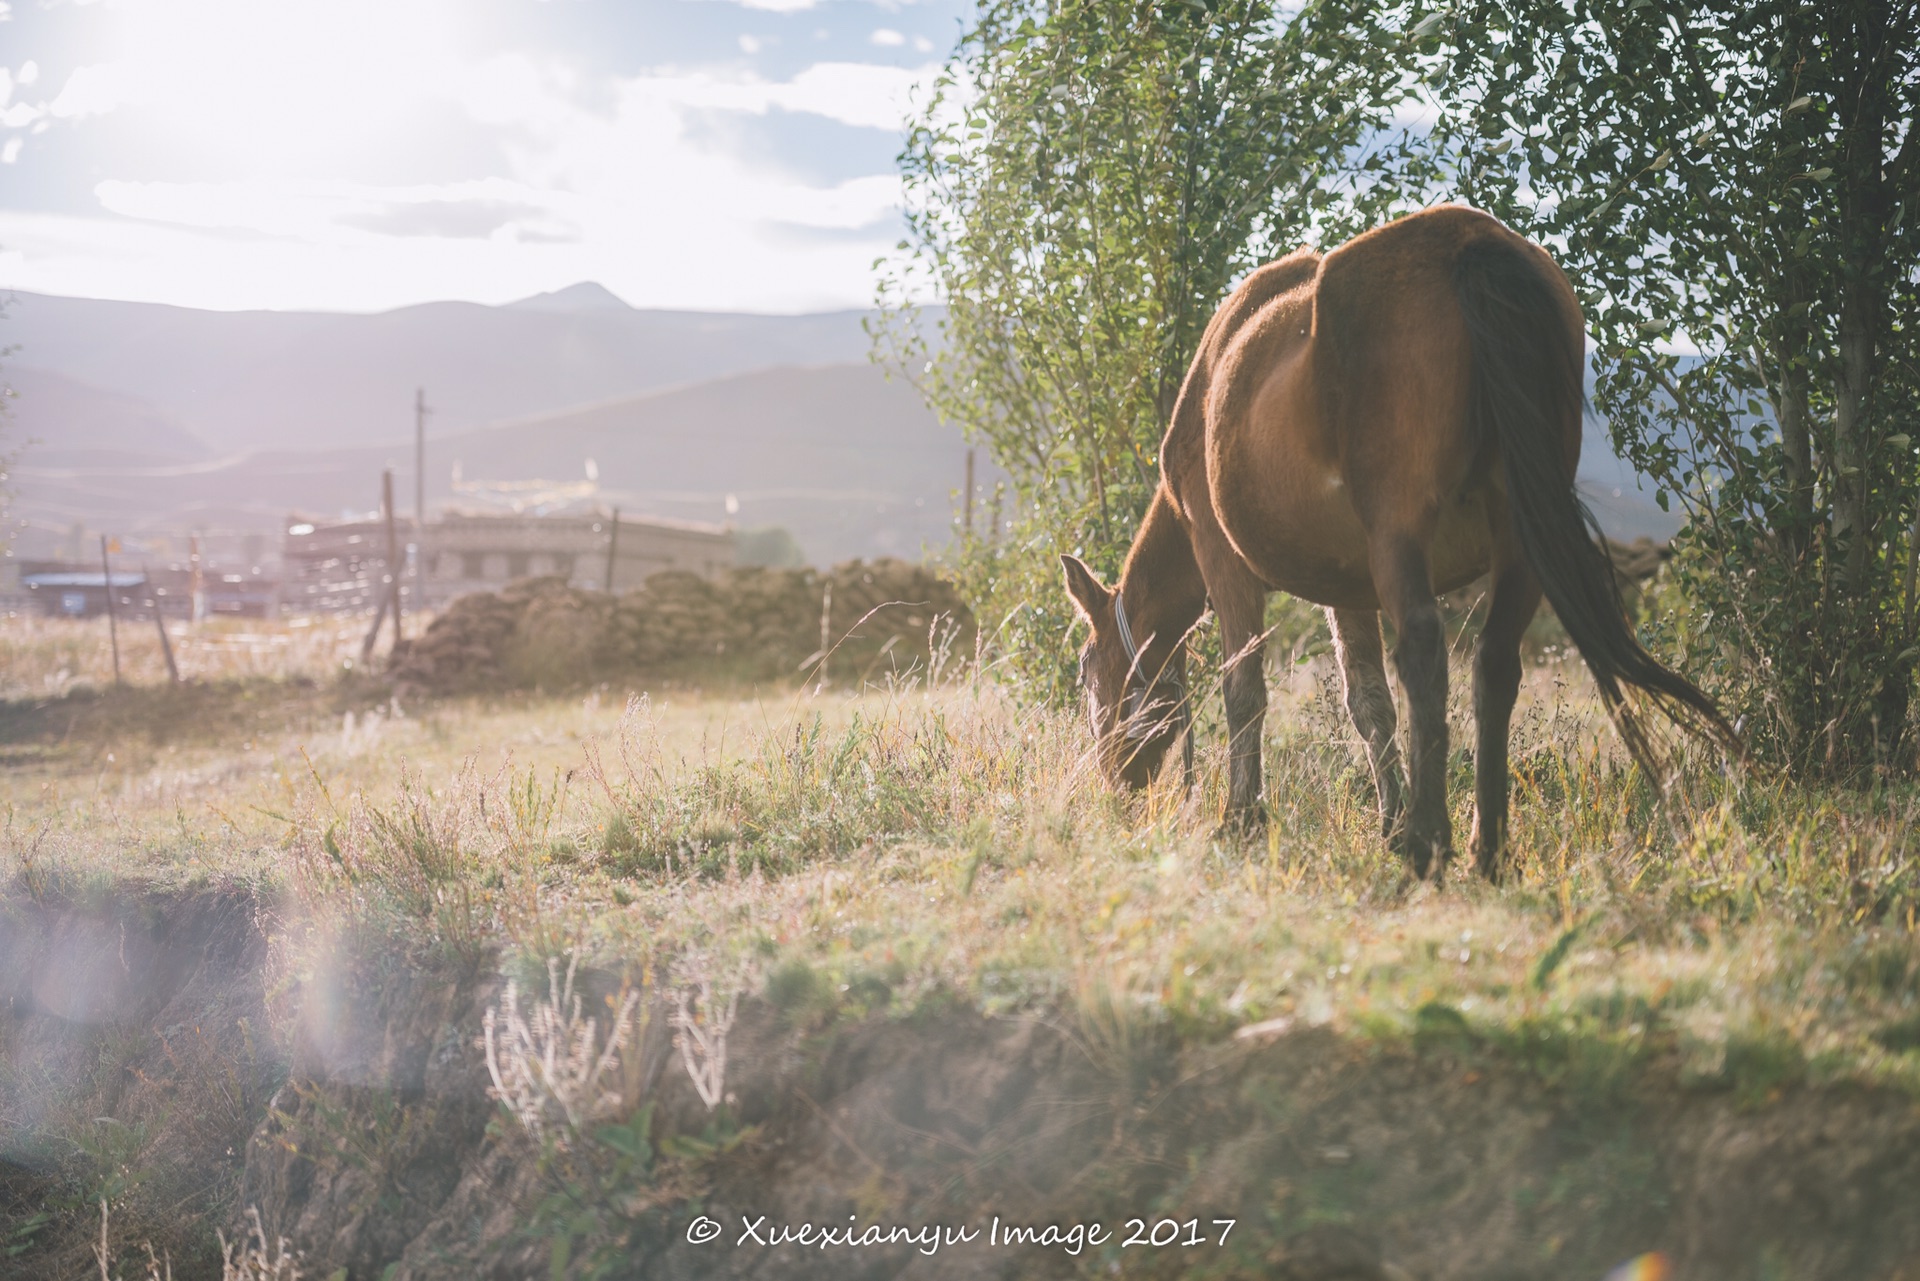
(1363, 671)
(1496, 684)
(1404, 582)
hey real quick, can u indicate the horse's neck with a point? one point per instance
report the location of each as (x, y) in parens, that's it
(1161, 582)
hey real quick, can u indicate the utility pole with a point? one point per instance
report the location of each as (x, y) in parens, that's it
(613, 547)
(420, 412)
(113, 622)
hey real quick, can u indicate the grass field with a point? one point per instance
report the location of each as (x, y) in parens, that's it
(951, 838)
(851, 855)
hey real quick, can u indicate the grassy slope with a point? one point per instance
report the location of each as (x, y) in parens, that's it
(1751, 939)
(955, 840)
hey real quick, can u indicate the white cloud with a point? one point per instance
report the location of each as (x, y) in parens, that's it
(801, 6)
(887, 37)
(93, 91)
(862, 94)
(599, 179)
(340, 212)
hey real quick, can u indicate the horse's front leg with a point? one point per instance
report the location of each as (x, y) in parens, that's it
(1243, 641)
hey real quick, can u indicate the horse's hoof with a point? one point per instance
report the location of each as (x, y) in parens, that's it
(1427, 858)
(1489, 863)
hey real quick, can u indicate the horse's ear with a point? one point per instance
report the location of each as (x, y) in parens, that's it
(1089, 597)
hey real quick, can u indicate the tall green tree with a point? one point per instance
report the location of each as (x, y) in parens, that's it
(1087, 182)
(1735, 179)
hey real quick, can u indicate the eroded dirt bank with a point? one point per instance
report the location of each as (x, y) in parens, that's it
(169, 1055)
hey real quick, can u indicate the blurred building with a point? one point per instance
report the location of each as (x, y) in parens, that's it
(75, 589)
(343, 566)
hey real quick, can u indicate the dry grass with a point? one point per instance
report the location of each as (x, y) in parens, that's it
(906, 841)
(49, 657)
(859, 851)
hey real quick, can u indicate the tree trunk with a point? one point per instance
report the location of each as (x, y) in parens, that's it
(1863, 230)
(1790, 408)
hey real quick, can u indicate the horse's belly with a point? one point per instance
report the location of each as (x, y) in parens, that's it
(1302, 536)
(1309, 542)
(1463, 543)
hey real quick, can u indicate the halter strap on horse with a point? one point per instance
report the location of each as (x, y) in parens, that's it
(1136, 724)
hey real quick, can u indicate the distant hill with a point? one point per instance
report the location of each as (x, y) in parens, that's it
(70, 421)
(293, 380)
(849, 463)
(162, 419)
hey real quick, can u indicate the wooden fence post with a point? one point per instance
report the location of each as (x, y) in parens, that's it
(613, 547)
(394, 568)
(113, 621)
(160, 621)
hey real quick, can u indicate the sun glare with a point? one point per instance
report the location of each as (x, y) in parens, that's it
(258, 87)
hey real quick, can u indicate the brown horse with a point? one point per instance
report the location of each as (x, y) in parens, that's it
(1366, 429)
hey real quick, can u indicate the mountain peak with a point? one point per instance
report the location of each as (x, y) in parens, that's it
(588, 295)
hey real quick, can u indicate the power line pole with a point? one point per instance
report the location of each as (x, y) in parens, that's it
(613, 546)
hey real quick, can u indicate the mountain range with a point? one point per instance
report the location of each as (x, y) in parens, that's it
(146, 419)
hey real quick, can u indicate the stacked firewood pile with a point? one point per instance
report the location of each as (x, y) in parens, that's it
(861, 620)
(1634, 565)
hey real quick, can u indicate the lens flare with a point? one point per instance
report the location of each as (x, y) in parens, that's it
(1647, 1267)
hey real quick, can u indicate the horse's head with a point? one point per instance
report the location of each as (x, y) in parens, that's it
(1134, 683)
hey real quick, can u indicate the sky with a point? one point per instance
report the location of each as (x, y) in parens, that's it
(359, 155)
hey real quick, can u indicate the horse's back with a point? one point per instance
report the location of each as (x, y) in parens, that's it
(1183, 449)
(1338, 403)
(1392, 354)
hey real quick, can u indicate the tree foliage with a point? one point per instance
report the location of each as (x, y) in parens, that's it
(1086, 184)
(1727, 183)
(1735, 179)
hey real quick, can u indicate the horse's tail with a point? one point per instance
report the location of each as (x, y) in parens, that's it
(1526, 396)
